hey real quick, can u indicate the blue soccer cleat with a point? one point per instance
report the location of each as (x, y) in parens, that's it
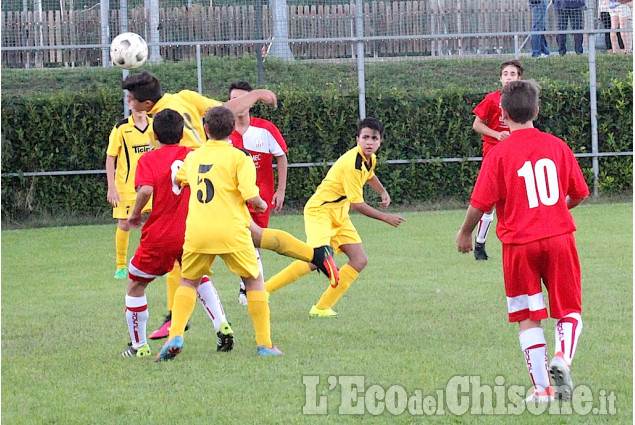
(171, 349)
(266, 351)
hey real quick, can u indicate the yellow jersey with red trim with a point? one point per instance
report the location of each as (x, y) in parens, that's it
(221, 179)
(192, 106)
(344, 182)
(127, 142)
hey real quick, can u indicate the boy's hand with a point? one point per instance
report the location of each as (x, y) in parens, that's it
(385, 200)
(278, 201)
(267, 96)
(464, 241)
(394, 220)
(503, 135)
(134, 220)
(259, 205)
(113, 197)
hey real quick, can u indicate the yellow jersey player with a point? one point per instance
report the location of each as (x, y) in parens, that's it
(222, 180)
(129, 139)
(327, 219)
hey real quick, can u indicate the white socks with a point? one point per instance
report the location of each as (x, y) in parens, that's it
(211, 302)
(483, 227)
(534, 346)
(567, 334)
(137, 319)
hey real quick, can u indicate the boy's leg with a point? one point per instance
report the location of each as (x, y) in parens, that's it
(258, 307)
(208, 296)
(288, 275)
(348, 273)
(534, 346)
(122, 239)
(481, 235)
(137, 319)
(172, 282)
(242, 292)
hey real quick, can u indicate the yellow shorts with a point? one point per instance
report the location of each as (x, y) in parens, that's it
(329, 226)
(124, 206)
(242, 263)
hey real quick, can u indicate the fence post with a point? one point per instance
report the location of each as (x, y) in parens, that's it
(593, 100)
(361, 77)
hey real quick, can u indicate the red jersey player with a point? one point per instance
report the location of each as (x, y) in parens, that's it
(490, 123)
(163, 234)
(534, 180)
(262, 139)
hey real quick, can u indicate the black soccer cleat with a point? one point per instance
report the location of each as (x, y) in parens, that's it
(479, 251)
(225, 338)
(323, 260)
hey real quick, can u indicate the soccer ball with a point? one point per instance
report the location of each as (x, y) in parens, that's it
(128, 50)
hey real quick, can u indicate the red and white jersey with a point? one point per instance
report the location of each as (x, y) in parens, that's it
(166, 225)
(489, 110)
(528, 176)
(263, 141)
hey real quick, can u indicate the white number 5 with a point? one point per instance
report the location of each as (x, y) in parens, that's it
(544, 177)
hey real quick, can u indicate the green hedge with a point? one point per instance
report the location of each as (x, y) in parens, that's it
(70, 132)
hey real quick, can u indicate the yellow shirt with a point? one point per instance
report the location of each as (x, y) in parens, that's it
(344, 183)
(128, 143)
(192, 107)
(221, 178)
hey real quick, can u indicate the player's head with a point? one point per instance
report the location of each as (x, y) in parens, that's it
(520, 101)
(219, 123)
(168, 127)
(144, 89)
(369, 133)
(237, 89)
(511, 71)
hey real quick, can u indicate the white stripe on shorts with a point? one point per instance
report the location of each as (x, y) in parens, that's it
(534, 302)
(139, 273)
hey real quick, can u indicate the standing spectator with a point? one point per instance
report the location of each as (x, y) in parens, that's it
(605, 18)
(569, 11)
(538, 15)
(620, 12)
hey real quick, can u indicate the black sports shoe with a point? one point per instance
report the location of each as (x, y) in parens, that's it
(225, 338)
(323, 260)
(479, 251)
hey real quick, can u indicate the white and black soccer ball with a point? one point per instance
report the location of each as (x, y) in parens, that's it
(128, 50)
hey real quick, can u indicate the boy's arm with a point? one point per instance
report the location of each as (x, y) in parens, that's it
(464, 237)
(368, 211)
(248, 100)
(113, 195)
(480, 127)
(259, 205)
(143, 196)
(278, 197)
(376, 185)
(573, 202)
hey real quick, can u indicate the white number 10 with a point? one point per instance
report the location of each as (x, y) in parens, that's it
(544, 177)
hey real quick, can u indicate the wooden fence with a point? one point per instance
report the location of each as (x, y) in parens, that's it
(207, 24)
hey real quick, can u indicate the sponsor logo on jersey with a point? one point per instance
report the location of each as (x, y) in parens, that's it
(141, 148)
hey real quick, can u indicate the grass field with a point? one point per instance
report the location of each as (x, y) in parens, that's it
(419, 315)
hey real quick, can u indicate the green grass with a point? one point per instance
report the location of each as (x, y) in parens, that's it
(419, 314)
(403, 77)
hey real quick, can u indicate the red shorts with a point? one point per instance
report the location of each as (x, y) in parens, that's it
(261, 219)
(148, 264)
(552, 261)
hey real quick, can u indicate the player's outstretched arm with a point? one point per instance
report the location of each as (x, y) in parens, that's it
(246, 101)
(464, 237)
(368, 211)
(143, 196)
(376, 185)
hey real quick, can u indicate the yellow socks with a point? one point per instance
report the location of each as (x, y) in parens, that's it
(332, 295)
(184, 302)
(258, 307)
(288, 275)
(172, 282)
(285, 244)
(121, 247)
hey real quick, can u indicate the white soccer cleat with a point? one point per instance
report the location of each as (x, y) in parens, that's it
(561, 375)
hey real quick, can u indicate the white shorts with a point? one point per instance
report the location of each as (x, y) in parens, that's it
(622, 11)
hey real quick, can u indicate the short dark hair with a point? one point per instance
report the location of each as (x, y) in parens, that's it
(239, 85)
(143, 86)
(521, 100)
(220, 122)
(372, 123)
(517, 64)
(168, 126)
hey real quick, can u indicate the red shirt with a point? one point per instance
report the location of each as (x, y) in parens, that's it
(263, 141)
(489, 110)
(528, 176)
(166, 224)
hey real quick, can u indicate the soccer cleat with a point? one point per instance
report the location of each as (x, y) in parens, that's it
(142, 351)
(121, 273)
(164, 329)
(561, 375)
(225, 338)
(242, 295)
(316, 312)
(266, 351)
(479, 251)
(170, 350)
(323, 260)
(545, 396)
